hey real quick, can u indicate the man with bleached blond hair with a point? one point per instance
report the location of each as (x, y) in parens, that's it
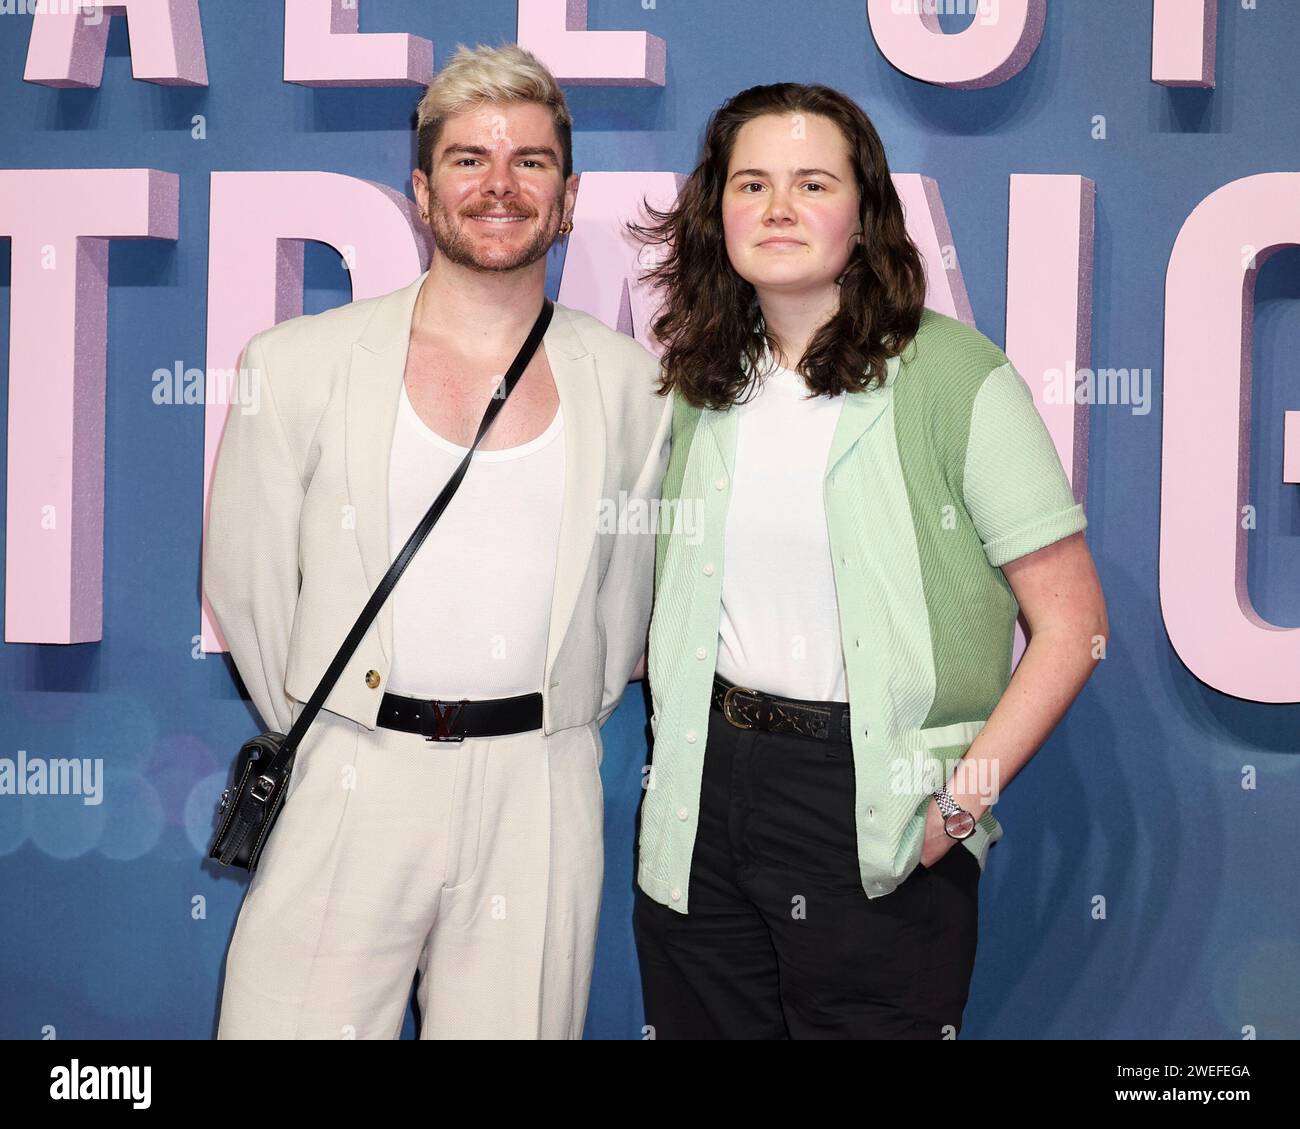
(444, 818)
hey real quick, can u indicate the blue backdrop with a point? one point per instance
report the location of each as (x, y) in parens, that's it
(115, 926)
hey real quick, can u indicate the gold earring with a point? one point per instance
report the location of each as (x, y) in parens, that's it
(566, 227)
(424, 216)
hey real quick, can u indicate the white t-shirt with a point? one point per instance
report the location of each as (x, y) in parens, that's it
(780, 631)
(472, 610)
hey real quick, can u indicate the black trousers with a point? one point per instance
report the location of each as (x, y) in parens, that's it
(780, 940)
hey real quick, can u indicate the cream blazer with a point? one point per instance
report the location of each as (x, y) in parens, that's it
(297, 530)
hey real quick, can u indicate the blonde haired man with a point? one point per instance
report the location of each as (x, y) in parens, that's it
(444, 820)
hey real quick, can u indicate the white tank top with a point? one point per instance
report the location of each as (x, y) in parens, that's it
(472, 611)
(779, 629)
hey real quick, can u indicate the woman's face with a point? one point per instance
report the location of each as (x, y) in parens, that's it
(790, 204)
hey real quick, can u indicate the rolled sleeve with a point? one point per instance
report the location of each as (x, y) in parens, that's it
(1014, 485)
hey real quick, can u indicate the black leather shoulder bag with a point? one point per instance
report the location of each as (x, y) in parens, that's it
(265, 763)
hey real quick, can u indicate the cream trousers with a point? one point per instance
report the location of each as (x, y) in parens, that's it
(476, 866)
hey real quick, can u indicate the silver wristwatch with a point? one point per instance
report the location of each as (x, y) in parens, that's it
(957, 821)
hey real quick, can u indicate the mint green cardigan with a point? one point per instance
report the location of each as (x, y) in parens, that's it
(933, 481)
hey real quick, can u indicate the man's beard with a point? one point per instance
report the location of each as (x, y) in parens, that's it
(455, 243)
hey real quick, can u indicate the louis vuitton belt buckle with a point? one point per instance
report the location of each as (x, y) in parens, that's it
(445, 716)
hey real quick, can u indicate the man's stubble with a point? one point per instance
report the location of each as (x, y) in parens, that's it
(451, 240)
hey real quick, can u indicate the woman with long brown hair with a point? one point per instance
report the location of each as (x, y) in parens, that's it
(863, 497)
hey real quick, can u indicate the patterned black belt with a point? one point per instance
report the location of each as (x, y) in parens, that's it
(454, 721)
(752, 709)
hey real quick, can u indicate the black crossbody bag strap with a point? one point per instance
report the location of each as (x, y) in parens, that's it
(412, 545)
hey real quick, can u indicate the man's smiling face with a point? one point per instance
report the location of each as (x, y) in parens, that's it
(497, 194)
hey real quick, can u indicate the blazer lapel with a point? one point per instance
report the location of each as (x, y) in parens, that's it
(374, 391)
(378, 366)
(574, 369)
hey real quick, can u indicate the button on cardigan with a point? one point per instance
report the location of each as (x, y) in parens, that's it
(933, 481)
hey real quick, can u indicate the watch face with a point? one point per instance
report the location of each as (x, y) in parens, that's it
(960, 824)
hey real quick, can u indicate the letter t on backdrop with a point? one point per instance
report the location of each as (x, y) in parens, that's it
(60, 221)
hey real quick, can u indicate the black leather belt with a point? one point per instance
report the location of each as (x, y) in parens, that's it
(454, 721)
(752, 709)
